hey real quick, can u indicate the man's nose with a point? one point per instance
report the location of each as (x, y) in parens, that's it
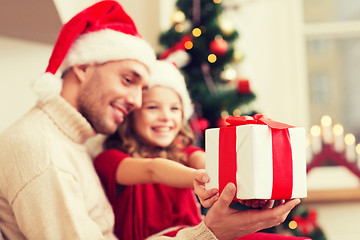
(134, 99)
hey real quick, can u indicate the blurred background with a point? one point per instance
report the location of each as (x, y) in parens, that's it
(296, 61)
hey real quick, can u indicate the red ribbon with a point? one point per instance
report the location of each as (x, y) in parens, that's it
(282, 154)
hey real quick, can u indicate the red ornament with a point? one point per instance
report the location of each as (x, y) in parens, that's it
(199, 124)
(243, 86)
(219, 46)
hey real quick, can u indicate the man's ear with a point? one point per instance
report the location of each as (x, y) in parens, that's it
(80, 71)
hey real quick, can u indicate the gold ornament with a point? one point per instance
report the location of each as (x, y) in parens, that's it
(179, 28)
(229, 74)
(237, 113)
(226, 26)
(238, 55)
(178, 17)
(224, 114)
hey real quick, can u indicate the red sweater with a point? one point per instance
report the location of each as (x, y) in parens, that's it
(145, 209)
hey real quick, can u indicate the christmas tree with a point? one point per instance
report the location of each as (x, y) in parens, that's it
(201, 42)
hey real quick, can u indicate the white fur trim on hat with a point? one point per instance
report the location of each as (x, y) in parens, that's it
(47, 87)
(107, 45)
(165, 74)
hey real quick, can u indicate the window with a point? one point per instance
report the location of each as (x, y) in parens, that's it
(332, 35)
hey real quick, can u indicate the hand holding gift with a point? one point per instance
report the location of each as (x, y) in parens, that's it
(208, 197)
(228, 223)
(265, 159)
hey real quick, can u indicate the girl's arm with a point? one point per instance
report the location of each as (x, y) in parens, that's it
(197, 160)
(133, 171)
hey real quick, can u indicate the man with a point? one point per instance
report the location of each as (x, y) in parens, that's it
(48, 186)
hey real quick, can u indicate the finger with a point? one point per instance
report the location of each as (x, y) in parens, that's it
(255, 204)
(201, 176)
(286, 207)
(262, 202)
(207, 194)
(209, 202)
(275, 216)
(226, 196)
(269, 204)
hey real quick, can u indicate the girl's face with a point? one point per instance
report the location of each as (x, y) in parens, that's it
(159, 119)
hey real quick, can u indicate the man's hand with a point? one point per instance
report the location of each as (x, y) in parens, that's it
(227, 223)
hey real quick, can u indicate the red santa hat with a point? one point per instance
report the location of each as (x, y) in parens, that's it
(100, 33)
(166, 74)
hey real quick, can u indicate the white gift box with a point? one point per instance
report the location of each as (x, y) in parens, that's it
(254, 162)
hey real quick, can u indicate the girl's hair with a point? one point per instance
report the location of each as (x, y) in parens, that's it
(128, 141)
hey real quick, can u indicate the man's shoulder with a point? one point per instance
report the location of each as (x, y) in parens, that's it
(26, 131)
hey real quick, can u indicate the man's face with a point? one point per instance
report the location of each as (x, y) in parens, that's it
(110, 91)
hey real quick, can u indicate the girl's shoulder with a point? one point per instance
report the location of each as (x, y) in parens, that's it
(110, 155)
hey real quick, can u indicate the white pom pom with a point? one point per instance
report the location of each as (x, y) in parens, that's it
(47, 87)
(180, 58)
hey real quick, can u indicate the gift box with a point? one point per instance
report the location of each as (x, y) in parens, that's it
(265, 159)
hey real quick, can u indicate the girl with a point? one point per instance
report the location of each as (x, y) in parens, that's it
(135, 164)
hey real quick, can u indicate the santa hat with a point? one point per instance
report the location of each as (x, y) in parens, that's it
(166, 74)
(100, 33)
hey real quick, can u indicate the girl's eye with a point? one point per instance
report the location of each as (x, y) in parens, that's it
(175, 108)
(151, 107)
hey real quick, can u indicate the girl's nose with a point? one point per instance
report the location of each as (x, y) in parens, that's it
(165, 114)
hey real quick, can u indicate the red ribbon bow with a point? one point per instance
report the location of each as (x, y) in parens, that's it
(282, 154)
(256, 119)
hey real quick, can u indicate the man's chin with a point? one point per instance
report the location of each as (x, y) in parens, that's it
(107, 130)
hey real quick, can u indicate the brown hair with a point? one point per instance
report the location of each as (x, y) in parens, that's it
(128, 141)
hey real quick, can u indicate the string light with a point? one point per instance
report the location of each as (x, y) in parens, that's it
(217, 1)
(178, 16)
(293, 224)
(212, 58)
(188, 45)
(196, 32)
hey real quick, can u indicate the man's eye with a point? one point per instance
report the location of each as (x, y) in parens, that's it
(127, 80)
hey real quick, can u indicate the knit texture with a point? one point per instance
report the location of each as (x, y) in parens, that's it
(48, 186)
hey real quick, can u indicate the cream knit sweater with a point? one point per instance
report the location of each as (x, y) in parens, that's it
(48, 186)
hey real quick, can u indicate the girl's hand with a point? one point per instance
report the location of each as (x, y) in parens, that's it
(207, 197)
